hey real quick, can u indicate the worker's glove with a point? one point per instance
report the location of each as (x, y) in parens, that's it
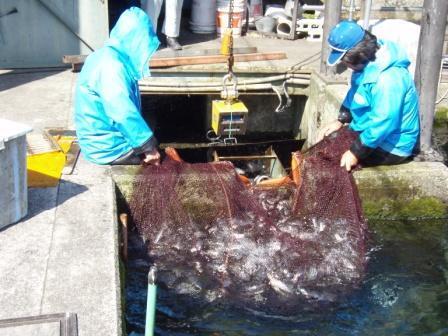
(148, 146)
(152, 157)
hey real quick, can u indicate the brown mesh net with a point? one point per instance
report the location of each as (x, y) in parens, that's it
(215, 238)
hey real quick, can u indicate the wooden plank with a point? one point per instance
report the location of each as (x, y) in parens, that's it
(211, 59)
(79, 59)
(73, 59)
(200, 52)
(162, 62)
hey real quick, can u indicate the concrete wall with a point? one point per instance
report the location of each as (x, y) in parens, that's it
(34, 37)
(405, 191)
(321, 107)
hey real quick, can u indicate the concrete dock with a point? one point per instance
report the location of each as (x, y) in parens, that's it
(62, 257)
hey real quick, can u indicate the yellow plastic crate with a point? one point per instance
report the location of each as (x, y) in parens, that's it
(64, 142)
(45, 160)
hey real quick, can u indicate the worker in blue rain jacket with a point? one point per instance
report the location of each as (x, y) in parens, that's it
(382, 102)
(109, 124)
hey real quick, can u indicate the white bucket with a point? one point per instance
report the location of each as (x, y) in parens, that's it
(203, 16)
(222, 16)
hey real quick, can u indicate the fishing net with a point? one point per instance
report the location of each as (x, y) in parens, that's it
(216, 238)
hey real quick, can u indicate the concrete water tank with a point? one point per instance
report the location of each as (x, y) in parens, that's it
(13, 183)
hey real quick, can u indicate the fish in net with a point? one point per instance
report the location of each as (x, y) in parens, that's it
(277, 244)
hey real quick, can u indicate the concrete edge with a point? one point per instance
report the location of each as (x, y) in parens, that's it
(119, 294)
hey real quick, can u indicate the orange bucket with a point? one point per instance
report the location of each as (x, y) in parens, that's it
(222, 20)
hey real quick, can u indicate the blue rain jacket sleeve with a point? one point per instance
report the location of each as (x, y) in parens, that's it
(121, 104)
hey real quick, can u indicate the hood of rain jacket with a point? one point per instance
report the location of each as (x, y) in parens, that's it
(108, 116)
(383, 102)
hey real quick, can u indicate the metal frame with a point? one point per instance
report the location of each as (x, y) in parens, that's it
(293, 32)
(68, 322)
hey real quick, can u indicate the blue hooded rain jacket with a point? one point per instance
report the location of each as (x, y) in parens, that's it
(384, 103)
(108, 116)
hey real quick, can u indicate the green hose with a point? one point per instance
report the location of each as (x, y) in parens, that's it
(151, 303)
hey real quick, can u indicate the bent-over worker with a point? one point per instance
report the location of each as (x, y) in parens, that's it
(109, 124)
(382, 102)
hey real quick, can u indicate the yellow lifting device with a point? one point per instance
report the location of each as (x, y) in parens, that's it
(229, 115)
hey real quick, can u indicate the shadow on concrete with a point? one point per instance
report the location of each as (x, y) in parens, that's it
(43, 199)
(187, 37)
(16, 77)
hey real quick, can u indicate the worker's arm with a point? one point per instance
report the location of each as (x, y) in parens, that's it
(121, 102)
(344, 117)
(387, 98)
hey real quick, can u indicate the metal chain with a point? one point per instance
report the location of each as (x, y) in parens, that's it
(230, 58)
(230, 68)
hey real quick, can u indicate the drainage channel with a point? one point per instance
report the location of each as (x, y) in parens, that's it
(407, 261)
(405, 277)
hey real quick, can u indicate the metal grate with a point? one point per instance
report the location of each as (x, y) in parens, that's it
(64, 324)
(444, 70)
(38, 143)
